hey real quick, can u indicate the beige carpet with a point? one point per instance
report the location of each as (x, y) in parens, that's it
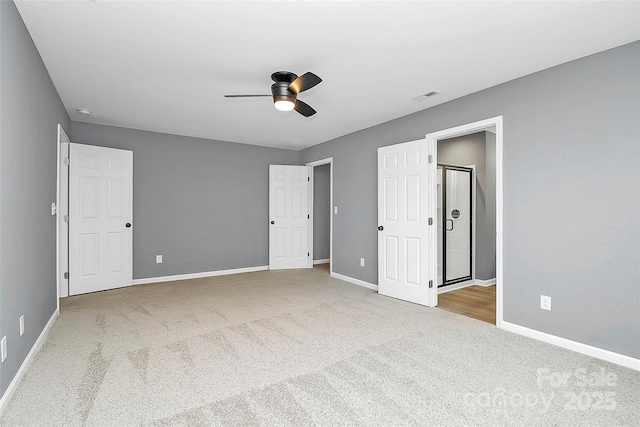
(298, 348)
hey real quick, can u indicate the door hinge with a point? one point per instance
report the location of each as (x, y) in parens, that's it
(430, 284)
(430, 221)
(66, 161)
(66, 274)
(430, 158)
(307, 253)
(308, 216)
(308, 178)
(66, 218)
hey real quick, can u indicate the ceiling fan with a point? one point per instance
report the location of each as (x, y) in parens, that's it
(285, 90)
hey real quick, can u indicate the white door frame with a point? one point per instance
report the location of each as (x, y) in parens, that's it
(61, 209)
(327, 161)
(466, 129)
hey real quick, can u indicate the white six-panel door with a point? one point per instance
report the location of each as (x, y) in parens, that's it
(289, 217)
(100, 218)
(406, 238)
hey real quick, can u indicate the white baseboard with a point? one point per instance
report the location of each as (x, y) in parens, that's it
(13, 386)
(466, 284)
(455, 287)
(598, 353)
(484, 283)
(198, 275)
(355, 281)
(320, 261)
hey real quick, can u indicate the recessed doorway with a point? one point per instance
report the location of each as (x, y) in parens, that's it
(487, 246)
(321, 210)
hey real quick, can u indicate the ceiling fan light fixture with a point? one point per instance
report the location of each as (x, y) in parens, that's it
(283, 103)
(285, 90)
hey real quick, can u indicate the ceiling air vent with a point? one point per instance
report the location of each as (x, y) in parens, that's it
(426, 95)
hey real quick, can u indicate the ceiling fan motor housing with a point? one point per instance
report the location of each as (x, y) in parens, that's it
(280, 89)
(284, 77)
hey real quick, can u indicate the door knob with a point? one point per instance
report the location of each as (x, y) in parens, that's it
(380, 228)
(273, 222)
(128, 225)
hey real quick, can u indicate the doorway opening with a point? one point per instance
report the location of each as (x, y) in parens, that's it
(477, 146)
(321, 202)
(467, 233)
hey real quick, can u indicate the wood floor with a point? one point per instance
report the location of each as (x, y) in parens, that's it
(322, 267)
(478, 302)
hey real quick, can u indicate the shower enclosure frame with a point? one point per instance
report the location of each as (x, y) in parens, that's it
(470, 276)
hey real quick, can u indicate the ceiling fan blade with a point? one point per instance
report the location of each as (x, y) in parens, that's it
(244, 96)
(304, 108)
(304, 82)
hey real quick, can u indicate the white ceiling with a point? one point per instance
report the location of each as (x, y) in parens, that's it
(165, 66)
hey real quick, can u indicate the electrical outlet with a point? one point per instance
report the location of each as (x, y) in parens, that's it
(545, 302)
(335, 210)
(361, 262)
(22, 325)
(158, 259)
(3, 348)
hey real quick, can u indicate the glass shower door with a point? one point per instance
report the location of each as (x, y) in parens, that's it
(454, 222)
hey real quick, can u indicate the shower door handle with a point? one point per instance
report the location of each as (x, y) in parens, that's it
(446, 224)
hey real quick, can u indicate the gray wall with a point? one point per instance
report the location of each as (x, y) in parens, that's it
(571, 178)
(321, 211)
(30, 111)
(201, 204)
(471, 150)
